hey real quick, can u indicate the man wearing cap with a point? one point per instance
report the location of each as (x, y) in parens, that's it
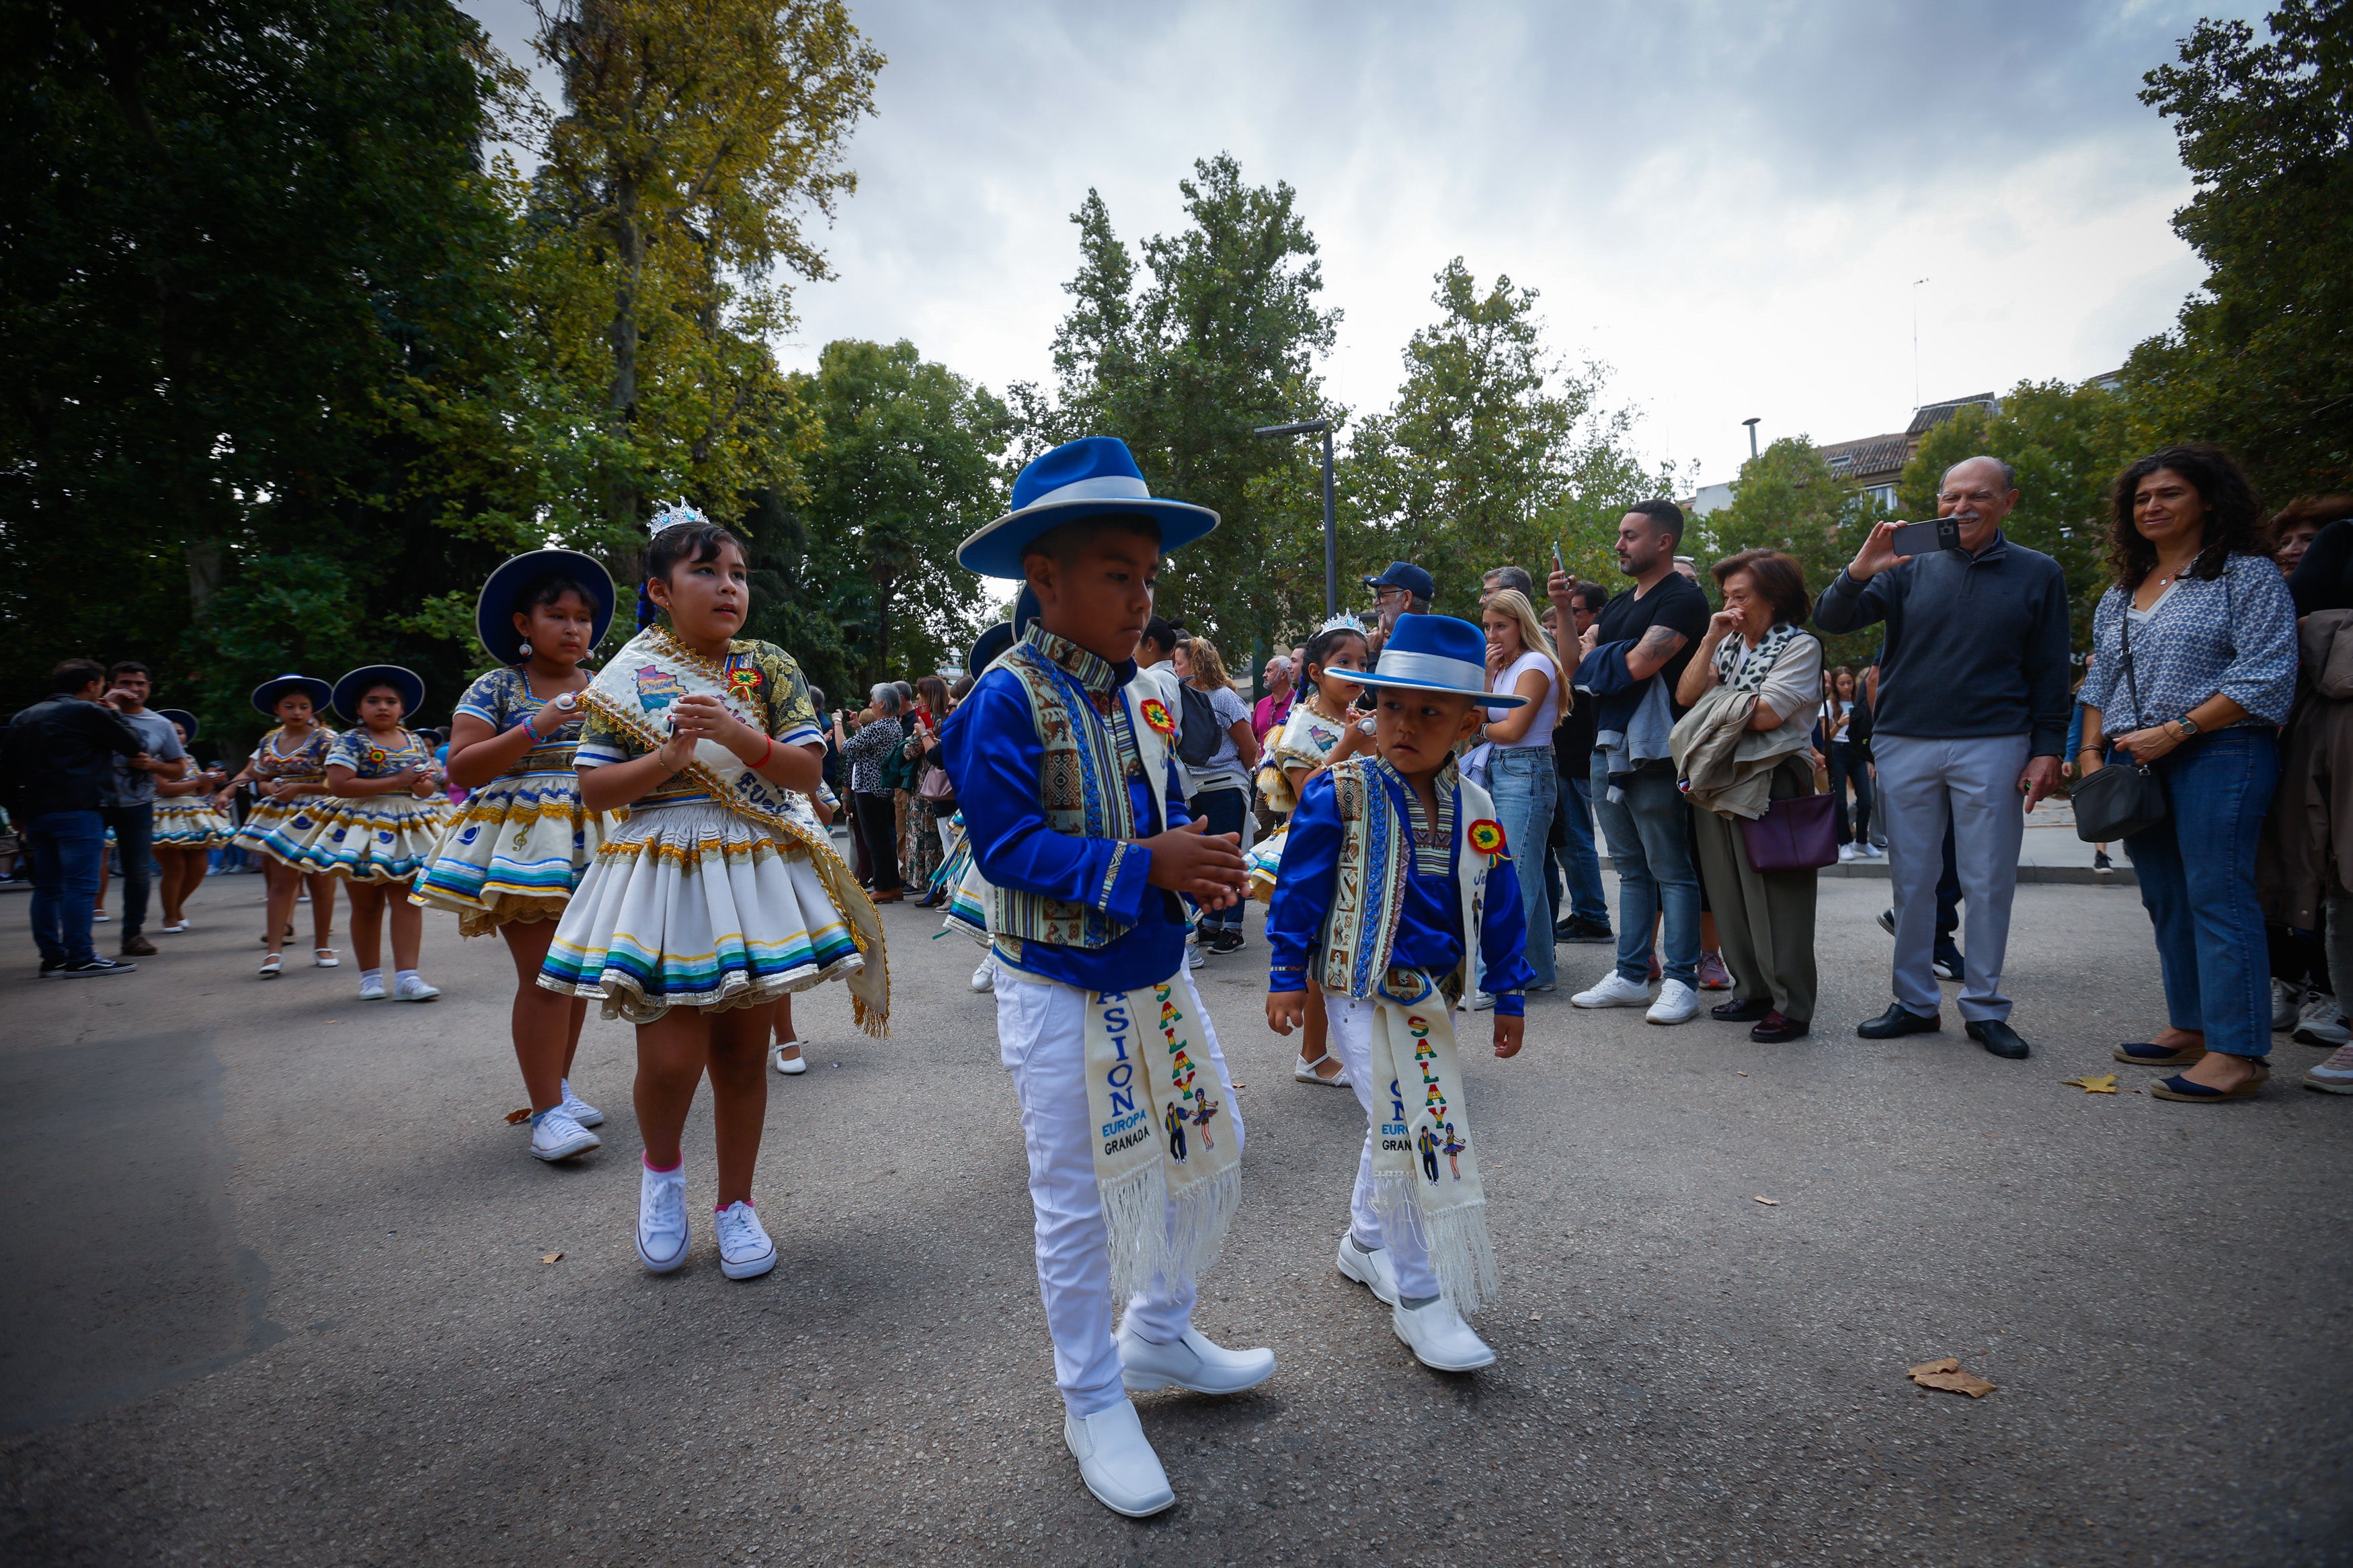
(1062, 766)
(1405, 589)
(59, 774)
(129, 809)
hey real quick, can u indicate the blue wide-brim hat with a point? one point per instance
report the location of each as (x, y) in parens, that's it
(1438, 653)
(494, 611)
(180, 716)
(355, 685)
(1095, 476)
(266, 695)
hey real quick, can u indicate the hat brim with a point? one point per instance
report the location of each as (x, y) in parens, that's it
(358, 683)
(180, 716)
(494, 609)
(266, 695)
(1485, 698)
(996, 551)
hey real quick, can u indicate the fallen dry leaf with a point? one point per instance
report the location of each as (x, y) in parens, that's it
(1946, 1374)
(2094, 1083)
(515, 1116)
(551, 1258)
(1768, 1203)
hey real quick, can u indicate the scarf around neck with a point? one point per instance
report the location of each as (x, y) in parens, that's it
(1743, 668)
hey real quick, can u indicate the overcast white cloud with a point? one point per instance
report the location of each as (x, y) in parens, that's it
(1727, 202)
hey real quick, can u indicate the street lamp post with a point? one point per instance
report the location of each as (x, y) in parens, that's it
(1751, 422)
(1330, 532)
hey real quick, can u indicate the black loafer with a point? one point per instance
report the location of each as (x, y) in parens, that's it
(1740, 1010)
(1899, 1020)
(1777, 1028)
(1999, 1038)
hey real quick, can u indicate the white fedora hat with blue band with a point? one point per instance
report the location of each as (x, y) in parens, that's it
(1438, 653)
(1095, 476)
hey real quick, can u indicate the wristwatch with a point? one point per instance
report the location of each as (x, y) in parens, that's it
(2189, 726)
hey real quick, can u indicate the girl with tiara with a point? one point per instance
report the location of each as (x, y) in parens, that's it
(385, 821)
(512, 853)
(188, 825)
(289, 772)
(1321, 730)
(714, 897)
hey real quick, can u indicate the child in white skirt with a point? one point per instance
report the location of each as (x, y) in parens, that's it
(380, 826)
(711, 901)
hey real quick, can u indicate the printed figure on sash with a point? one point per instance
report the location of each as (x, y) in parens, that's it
(1323, 728)
(512, 853)
(289, 772)
(1070, 804)
(715, 896)
(1396, 884)
(386, 817)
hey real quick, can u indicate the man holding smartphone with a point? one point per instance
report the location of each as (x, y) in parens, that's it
(1971, 717)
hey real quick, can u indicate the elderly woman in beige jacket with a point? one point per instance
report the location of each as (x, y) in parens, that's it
(1753, 688)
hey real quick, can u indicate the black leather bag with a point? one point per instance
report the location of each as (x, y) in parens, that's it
(2123, 798)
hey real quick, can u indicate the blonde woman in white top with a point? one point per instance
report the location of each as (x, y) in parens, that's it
(1521, 773)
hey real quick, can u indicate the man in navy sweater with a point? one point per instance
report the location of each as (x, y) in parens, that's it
(1972, 718)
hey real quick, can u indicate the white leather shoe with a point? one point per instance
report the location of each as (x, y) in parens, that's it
(792, 1065)
(1372, 1269)
(1439, 1338)
(1304, 1071)
(1116, 1461)
(1677, 1004)
(1196, 1362)
(1613, 990)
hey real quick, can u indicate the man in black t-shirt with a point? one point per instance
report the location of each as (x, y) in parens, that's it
(1574, 874)
(1632, 659)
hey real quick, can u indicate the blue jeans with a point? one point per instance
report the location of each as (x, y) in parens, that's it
(2197, 871)
(1223, 808)
(1649, 841)
(1525, 784)
(67, 847)
(1575, 861)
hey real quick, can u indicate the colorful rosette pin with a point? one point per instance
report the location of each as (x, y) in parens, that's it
(743, 682)
(1156, 715)
(1487, 838)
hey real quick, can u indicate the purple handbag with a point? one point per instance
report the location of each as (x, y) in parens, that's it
(1794, 834)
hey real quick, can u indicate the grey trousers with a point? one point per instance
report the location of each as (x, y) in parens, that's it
(1765, 919)
(1973, 782)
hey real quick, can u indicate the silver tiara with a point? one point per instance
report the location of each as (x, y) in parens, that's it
(1343, 622)
(676, 515)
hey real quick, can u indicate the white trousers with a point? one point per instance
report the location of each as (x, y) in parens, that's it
(1042, 1037)
(1972, 783)
(1352, 1036)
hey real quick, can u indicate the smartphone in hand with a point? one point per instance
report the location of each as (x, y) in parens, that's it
(1927, 538)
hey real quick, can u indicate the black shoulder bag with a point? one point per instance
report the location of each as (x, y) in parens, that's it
(2123, 798)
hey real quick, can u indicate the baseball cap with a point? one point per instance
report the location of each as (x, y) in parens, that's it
(1406, 575)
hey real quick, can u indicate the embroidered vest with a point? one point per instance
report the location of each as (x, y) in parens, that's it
(1368, 892)
(1082, 786)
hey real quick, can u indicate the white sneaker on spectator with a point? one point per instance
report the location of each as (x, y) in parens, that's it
(1846, 852)
(1867, 851)
(1615, 991)
(2321, 1026)
(744, 1251)
(1677, 1004)
(2334, 1076)
(1482, 1001)
(2287, 1005)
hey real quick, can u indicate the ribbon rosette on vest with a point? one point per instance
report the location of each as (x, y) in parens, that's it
(1486, 836)
(1156, 715)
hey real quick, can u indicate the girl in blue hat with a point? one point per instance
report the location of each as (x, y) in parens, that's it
(289, 772)
(188, 825)
(382, 824)
(511, 854)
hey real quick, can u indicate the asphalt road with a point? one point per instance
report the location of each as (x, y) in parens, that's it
(272, 1289)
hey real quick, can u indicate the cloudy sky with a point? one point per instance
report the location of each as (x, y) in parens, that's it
(1728, 203)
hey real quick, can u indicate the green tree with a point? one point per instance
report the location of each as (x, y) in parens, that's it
(1493, 453)
(1788, 499)
(908, 462)
(2067, 443)
(2262, 360)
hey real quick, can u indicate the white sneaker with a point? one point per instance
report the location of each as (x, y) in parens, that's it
(1846, 853)
(2334, 1076)
(1615, 991)
(2320, 1024)
(579, 1109)
(984, 977)
(1482, 1001)
(1304, 1071)
(2287, 1004)
(371, 988)
(413, 989)
(1194, 955)
(662, 1234)
(1677, 1004)
(557, 1136)
(794, 1066)
(1439, 1338)
(1196, 1363)
(1116, 1461)
(1372, 1269)
(1869, 851)
(744, 1251)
